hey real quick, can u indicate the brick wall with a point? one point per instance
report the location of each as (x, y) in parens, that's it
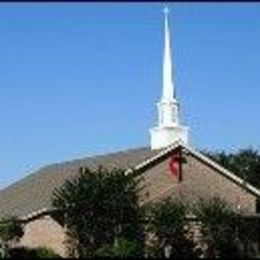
(44, 232)
(198, 180)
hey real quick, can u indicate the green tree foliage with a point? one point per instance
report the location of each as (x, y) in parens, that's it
(11, 230)
(98, 207)
(225, 232)
(168, 224)
(245, 163)
(121, 248)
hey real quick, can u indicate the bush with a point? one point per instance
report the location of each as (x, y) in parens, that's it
(11, 230)
(98, 206)
(225, 232)
(39, 252)
(167, 223)
(123, 248)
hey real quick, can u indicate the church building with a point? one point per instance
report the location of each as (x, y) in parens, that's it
(163, 173)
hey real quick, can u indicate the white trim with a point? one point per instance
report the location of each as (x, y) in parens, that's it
(34, 214)
(225, 172)
(154, 158)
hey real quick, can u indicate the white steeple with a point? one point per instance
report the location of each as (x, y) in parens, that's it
(168, 130)
(168, 86)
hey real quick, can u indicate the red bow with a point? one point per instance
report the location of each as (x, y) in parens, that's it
(174, 164)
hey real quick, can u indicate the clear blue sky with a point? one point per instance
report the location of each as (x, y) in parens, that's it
(79, 79)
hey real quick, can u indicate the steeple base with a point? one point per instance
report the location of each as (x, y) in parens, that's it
(163, 136)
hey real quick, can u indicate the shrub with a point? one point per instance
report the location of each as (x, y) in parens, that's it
(123, 248)
(225, 232)
(97, 207)
(168, 225)
(39, 252)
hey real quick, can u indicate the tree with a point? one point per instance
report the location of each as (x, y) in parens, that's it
(169, 226)
(99, 207)
(225, 232)
(11, 231)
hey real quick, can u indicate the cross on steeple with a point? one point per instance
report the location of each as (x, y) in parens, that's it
(166, 10)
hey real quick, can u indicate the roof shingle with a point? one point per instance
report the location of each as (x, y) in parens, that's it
(34, 192)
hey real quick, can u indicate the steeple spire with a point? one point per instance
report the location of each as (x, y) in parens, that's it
(168, 130)
(168, 84)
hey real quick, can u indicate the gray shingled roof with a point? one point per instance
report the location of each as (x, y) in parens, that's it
(34, 192)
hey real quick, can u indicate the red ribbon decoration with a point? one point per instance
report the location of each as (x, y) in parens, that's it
(174, 164)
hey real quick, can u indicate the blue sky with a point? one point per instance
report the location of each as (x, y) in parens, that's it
(79, 79)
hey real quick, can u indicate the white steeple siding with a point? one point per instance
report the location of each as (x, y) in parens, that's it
(168, 130)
